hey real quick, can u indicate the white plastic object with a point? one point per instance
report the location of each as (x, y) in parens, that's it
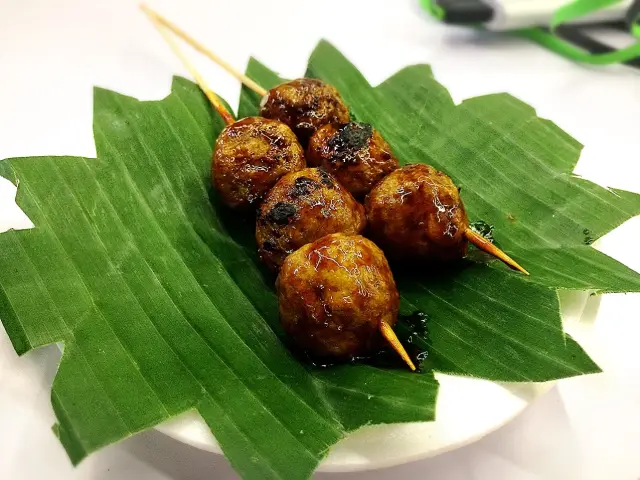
(519, 14)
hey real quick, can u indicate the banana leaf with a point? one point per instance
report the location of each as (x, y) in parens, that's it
(157, 295)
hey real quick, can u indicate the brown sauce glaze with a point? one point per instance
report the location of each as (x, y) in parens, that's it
(415, 213)
(250, 156)
(333, 294)
(305, 104)
(355, 153)
(302, 207)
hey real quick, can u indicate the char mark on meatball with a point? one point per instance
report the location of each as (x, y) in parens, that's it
(281, 213)
(299, 209)
(349, 139)
(303, 186)
(326, 178)
(269, 246)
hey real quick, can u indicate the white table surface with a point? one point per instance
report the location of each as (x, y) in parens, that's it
(53, 52)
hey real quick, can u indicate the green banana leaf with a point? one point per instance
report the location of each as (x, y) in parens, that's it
(156, 292)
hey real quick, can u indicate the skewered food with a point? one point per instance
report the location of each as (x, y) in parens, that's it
(338, 298)
(337, 295)
(250, 156)
(416, 212)
(305, 104)
(301, 208)
(355, 153)
(315, 111)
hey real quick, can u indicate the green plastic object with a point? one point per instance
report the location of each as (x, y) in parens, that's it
(566, 14)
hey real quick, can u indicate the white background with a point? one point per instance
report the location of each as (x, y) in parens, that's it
(53, 52)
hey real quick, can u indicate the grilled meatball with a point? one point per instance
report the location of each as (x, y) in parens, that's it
(416, 213)
(305, 105)
(333, 294)
(250, 156)
(355, 153)
(301, 208)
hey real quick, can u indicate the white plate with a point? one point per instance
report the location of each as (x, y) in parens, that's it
(467, 409)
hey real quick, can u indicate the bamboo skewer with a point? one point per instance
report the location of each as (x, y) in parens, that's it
(390, 336)
(486, 246)
(164, 26)
(213, 98)
(159, 19)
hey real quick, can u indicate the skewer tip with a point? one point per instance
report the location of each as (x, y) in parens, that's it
(147, 9)
(157, 21)
(486, 246)
(155, 16)
(390, 336)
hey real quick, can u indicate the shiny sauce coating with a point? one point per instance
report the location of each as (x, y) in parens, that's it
(333, 293)
(250, 156)
(355, 153)
(416, 213)
(305, 104)
(302, 207)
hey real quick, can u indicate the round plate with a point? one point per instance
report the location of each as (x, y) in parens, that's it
(467, 409)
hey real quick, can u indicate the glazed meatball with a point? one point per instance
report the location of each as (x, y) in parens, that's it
(250, 156)
(334, 293)
(355, 153)
(416, 213)
(305, 105)
(301, 208)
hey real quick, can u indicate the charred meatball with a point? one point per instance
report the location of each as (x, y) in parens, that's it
(416, 213)
(305, 105)
(301, 208)
(334, 294)
(250, 156)
(355, 153)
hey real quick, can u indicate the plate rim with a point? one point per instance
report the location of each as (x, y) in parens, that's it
(328, 467)
(344, 467)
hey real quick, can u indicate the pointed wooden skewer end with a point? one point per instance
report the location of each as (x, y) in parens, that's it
(390, 336)
(486, 246)
(213, 98)
(202, 49)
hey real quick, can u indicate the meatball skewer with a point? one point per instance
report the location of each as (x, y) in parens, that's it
(304, 104)
(338, 148)
(301, 208)
(376, 283)
(338, 299)
(250, 154)
(355, 153)
(416, 213)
